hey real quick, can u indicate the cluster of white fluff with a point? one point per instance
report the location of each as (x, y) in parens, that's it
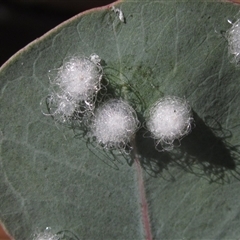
(61, 107)
(114, 124)
(46, 235)
(79, 78)
(233, 36)
(75, 87)
(169, 119)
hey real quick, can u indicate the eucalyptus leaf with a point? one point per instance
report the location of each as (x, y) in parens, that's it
(49, 177)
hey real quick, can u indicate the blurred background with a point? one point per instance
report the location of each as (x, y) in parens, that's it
(22, 21)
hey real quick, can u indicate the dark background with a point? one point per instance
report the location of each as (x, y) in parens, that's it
(22, 21)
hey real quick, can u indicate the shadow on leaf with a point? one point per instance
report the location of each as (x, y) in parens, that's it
(211, 155)
(204, 153)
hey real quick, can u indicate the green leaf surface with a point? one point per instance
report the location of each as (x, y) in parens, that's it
(50, 178)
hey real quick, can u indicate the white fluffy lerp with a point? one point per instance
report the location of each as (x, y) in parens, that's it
(114, 124)
(46, 235)
(61, 107)
(169, 119)
(233, 36)
(74, 87)
(80, 78)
